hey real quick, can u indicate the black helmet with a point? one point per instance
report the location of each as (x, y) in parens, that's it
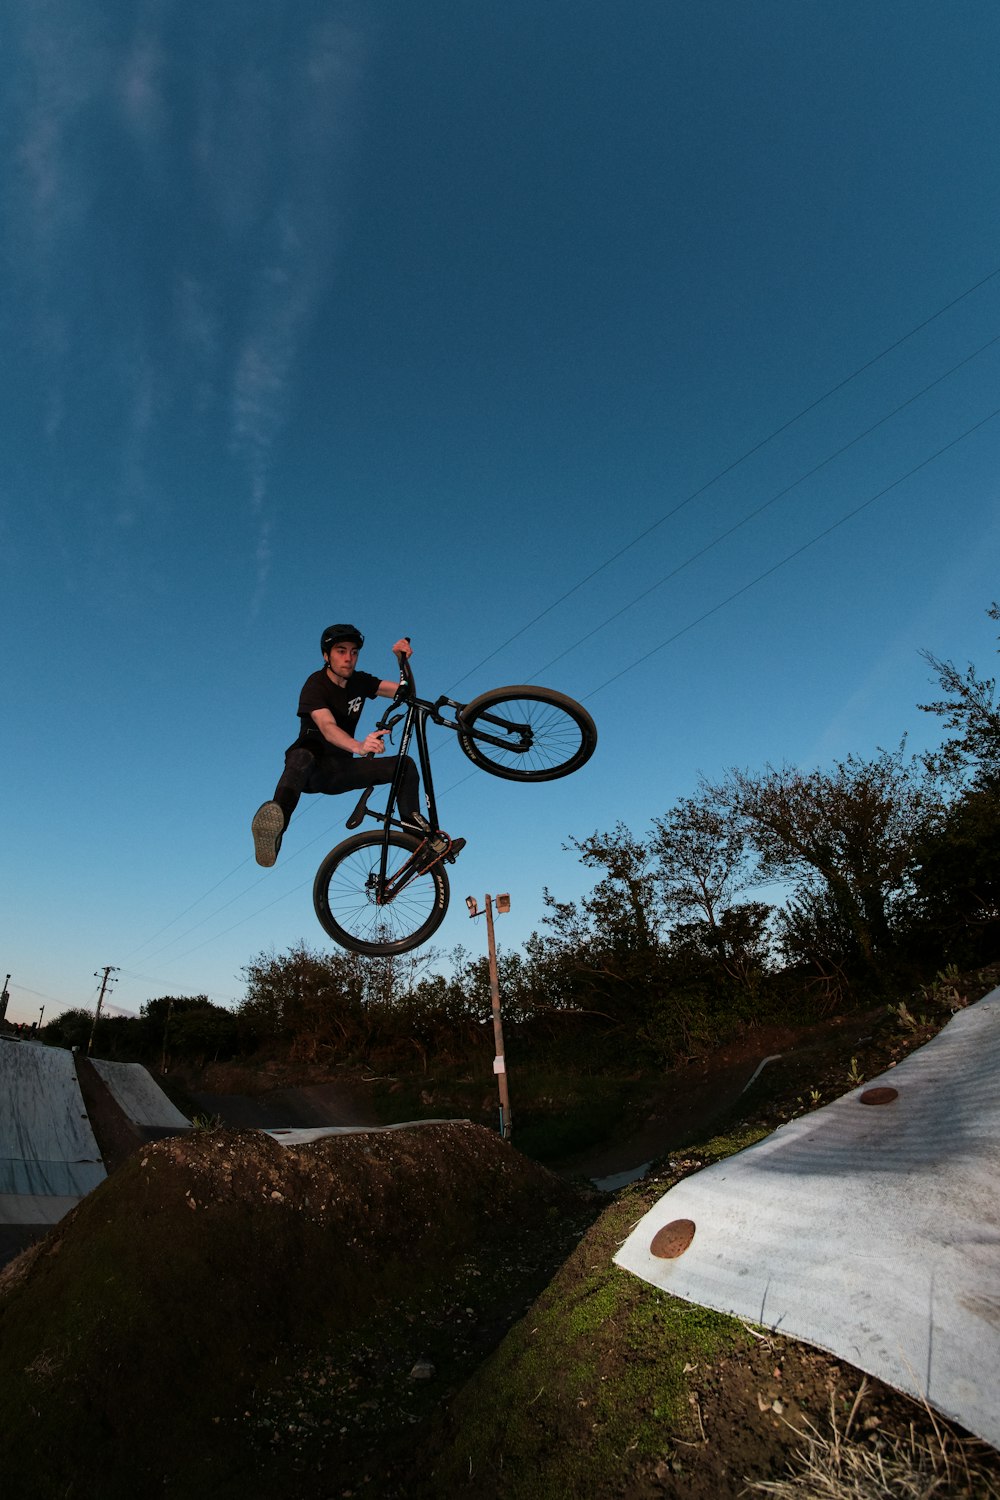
(334, 633)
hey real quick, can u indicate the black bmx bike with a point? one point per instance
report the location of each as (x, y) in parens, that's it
(386, 891)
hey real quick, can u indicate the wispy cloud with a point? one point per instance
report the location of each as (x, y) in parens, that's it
(141, 76)
(313, 118)
(57, 66)
(173, 223)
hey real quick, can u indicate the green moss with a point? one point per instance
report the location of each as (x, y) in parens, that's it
(592, 1380)
(721, 1146)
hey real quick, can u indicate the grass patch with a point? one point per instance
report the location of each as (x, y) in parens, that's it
(593, 1381)
(837, 1465)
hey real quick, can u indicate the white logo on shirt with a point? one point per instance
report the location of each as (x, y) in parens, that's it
(354, 706)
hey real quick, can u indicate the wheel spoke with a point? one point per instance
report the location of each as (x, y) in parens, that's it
(560, 735)
(347, 903)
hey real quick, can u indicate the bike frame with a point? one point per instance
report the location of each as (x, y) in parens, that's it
(417, 712)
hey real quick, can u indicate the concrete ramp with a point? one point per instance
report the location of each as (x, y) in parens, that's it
(49, 1158)
(870, 1228)
(138, 1096)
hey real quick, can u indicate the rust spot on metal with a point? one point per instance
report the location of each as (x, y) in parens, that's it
(879, 1096)
(673, 1239)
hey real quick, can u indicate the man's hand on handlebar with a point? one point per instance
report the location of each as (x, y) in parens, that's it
(402, 648)
(373, 744)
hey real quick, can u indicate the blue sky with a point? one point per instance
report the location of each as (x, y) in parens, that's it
(420, 316)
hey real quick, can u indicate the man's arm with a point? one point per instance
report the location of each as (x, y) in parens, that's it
(331, 730)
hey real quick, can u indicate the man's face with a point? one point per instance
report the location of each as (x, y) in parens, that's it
(341, 659)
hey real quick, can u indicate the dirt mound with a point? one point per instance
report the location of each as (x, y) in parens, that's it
(207, 1318)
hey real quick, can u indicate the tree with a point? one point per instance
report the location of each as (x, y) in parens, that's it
(701, 866)
(954, 907)
(969, 707)
(622, 904)
(845, 838)
(188, 1026)
(326, 1002)
(71, 1028)
(305, 997)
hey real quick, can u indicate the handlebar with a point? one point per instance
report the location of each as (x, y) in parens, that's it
(405, 672)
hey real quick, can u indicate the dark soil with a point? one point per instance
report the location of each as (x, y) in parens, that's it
(421, 1313)
(228, 1315)
(697, 1099)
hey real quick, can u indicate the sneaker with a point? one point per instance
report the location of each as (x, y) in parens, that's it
(267, 827)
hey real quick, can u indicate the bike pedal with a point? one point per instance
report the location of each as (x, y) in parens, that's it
(427, 858)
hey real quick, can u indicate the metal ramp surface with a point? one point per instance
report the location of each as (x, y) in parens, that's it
(139, 1095)
(49, 1158)
(870, 1228)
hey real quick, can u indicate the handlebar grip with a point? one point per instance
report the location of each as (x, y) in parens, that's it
(405, 674)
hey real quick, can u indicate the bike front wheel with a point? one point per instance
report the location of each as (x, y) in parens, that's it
(347, 902)
(526, 733)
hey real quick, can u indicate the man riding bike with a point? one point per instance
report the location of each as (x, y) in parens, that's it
(327, 757)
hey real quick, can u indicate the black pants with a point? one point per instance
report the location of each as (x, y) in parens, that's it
(309, 771)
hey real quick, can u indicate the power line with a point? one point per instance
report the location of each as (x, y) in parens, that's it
(868, 364)
(753, 514)
(728, 470)
(204, 897)
(180, 915)
(243, 920)
(239, 895)
(156, 982)
(848, 516)
(731, 598)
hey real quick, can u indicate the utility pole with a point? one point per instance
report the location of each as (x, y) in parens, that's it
(499, 1061)
(108, 969)
(166, 1028)
(4, 999)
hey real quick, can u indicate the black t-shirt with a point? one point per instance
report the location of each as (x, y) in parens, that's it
(345, 703)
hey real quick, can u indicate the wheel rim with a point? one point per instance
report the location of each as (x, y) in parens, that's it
(557, 738)
(350, 898)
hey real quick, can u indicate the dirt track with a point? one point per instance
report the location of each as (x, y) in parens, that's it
(307, 1105)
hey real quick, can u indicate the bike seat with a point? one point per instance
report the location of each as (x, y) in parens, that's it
(358, 815)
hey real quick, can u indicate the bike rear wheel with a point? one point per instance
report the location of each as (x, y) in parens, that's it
(526, 733)
(345, 896)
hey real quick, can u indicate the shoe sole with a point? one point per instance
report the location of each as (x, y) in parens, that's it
(267, 827)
